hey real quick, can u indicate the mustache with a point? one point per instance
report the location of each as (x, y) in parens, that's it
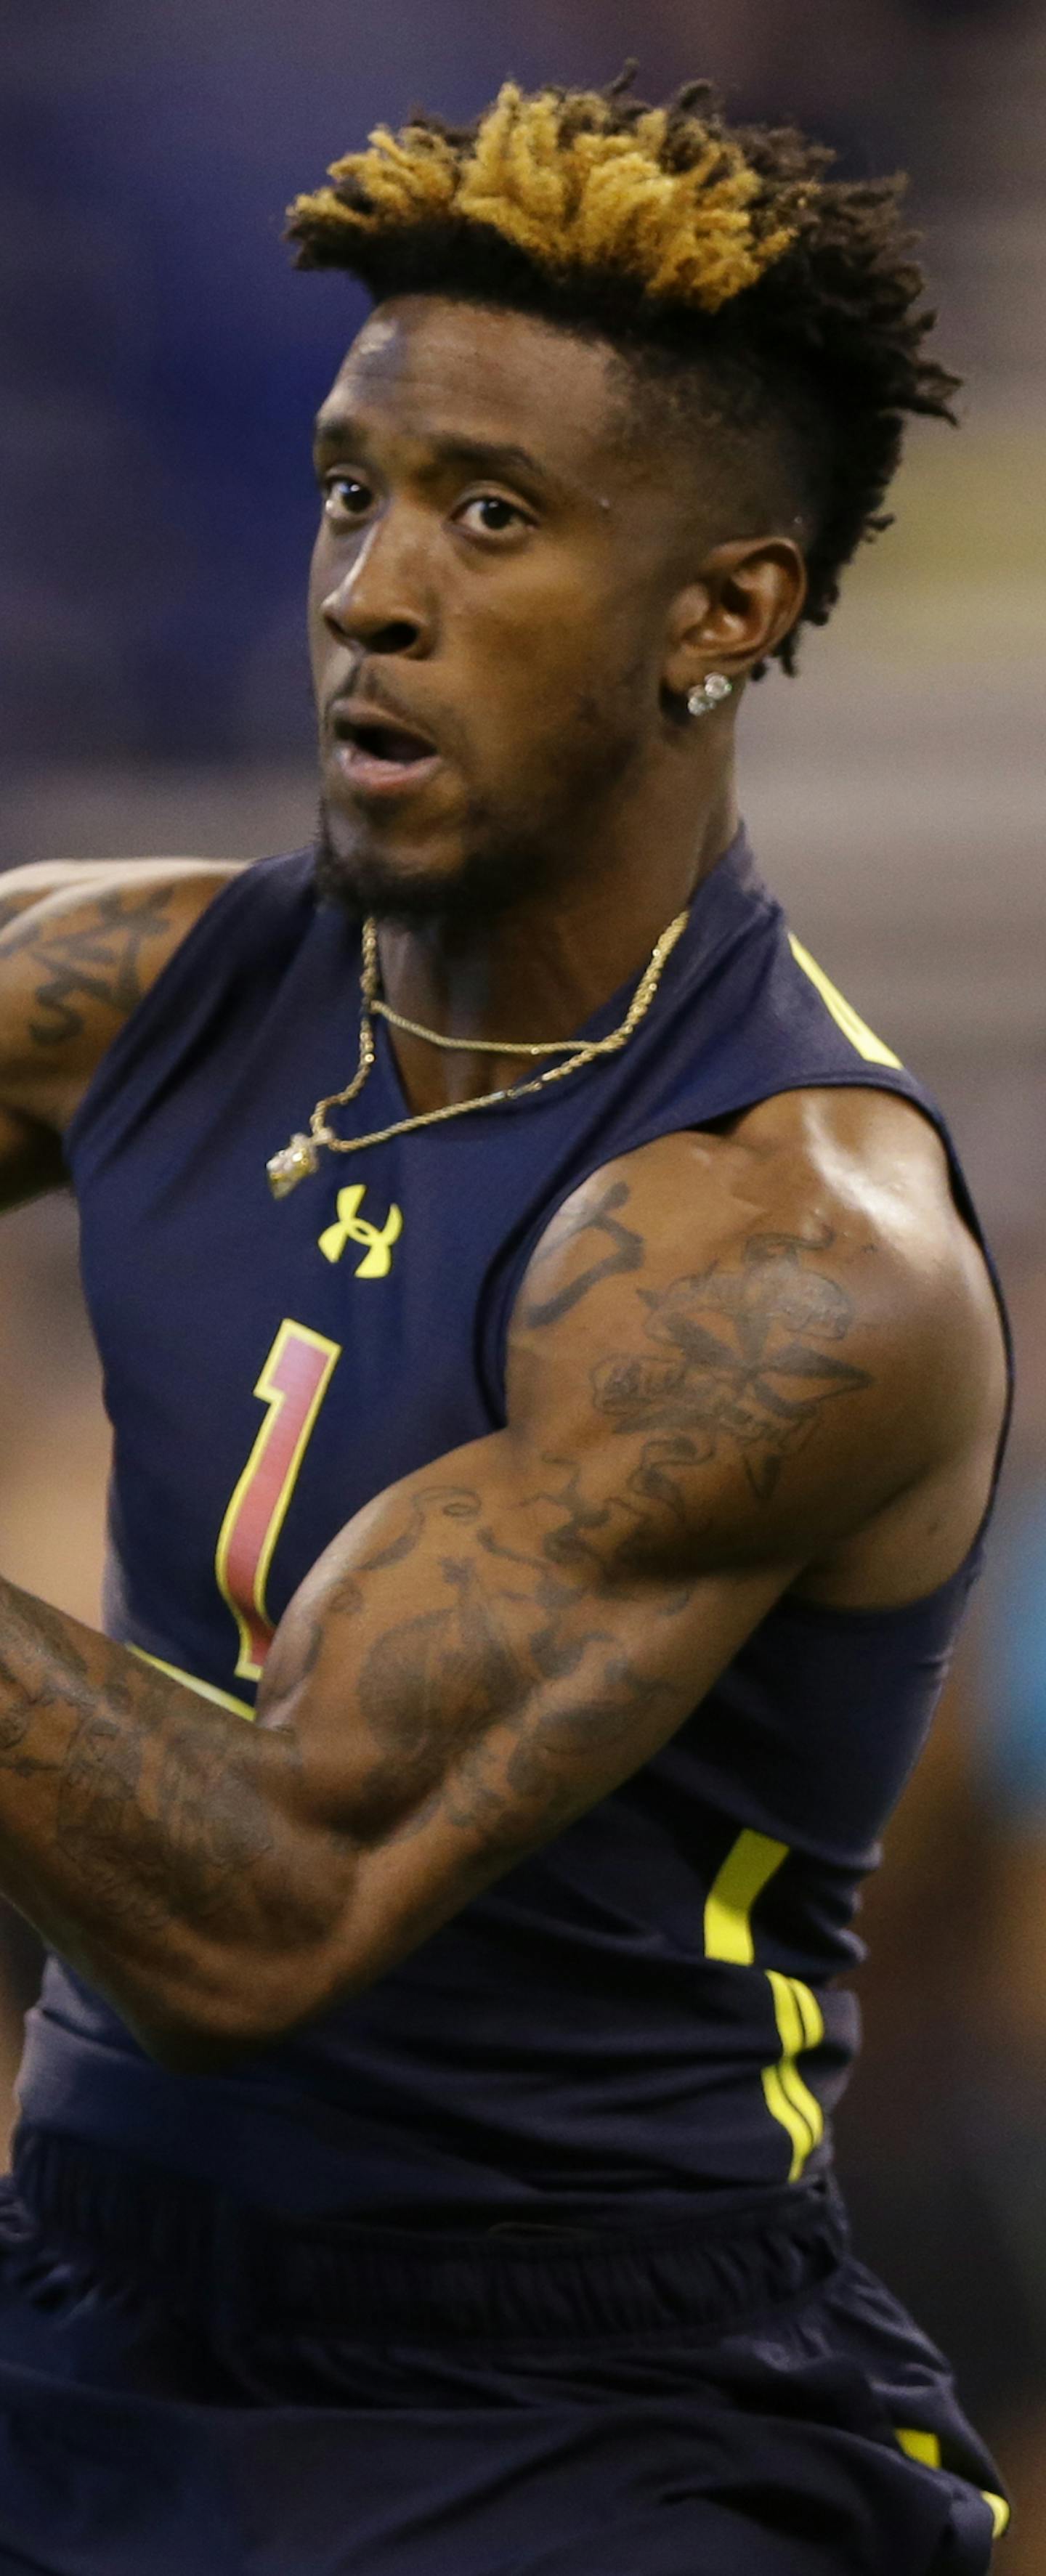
(360, 692)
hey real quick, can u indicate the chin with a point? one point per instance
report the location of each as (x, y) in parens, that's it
(474, 883)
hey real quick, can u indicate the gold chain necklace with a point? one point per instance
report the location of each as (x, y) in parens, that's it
(302, 1156)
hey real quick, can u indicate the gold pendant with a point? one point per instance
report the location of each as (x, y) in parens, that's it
(292, 1164)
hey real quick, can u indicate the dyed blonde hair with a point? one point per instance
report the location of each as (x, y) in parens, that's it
(663, 197)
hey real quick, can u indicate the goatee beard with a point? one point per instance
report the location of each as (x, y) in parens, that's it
(489, 882)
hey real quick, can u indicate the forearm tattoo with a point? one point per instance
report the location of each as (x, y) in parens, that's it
(155, 1811)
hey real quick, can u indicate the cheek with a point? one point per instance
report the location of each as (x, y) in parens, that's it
(581, 698)
(551, 655)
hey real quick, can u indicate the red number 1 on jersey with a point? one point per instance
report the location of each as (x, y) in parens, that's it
(292, 1384)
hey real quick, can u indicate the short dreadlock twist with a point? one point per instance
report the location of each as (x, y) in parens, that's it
(694, 248)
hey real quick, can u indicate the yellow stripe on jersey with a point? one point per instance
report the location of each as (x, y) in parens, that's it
(206, 1690)
(749, 1866)
(800, 2025)
(926, 2448)
(846, 1018)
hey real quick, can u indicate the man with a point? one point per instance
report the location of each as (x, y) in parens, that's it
(424, 2161)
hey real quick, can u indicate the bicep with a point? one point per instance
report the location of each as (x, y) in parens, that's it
(695, 1412)
(698, 1408)
(468, 1671)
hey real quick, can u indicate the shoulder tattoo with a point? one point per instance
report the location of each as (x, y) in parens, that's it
(740, 1354)
(95, 960)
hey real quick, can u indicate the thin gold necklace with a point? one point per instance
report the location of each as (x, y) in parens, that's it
(295, 1161)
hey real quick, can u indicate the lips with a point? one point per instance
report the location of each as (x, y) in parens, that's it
(379, 753)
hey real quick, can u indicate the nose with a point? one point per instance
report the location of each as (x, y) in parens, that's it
(375, 604)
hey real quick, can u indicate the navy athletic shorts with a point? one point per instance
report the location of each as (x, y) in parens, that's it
(191, 2389)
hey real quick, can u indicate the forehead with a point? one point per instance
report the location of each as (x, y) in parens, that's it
(430, 369)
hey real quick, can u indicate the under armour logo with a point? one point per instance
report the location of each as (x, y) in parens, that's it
(351, 1227)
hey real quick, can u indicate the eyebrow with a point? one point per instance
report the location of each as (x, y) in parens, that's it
(483, 456)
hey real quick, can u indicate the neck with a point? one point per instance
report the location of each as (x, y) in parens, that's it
(540, 970)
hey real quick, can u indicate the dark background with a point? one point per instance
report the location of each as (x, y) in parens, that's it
(160, 363)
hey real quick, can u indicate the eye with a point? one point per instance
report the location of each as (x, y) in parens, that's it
(487, 514)
(345, 499)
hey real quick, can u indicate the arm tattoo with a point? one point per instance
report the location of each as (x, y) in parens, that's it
(156, 1811)
(626, 1253)
(514, 1685)
(149, 1838)
(452, 1502)
(449, 1699)
(490, 1706)
(40, 1668)
(738, 1358)
(491, 1702)
(96, 961)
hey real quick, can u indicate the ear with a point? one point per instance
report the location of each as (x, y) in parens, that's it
(744, 601)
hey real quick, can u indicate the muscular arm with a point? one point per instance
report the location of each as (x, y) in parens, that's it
(80, 943)
(724, 1365)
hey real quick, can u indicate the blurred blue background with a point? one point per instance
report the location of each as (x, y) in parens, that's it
(161, 363)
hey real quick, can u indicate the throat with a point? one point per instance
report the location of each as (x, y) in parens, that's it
(477, 1005)
(431, 1079)
(471, 1068)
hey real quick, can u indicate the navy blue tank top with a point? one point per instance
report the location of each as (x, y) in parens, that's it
(647, 2011)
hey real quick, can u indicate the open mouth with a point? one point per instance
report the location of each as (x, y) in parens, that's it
(388, 742)
(375, 753)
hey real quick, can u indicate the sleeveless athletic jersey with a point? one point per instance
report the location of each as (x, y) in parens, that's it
(646, 2011)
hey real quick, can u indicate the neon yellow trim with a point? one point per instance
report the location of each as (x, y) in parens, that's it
(924, 2447)
(289, 1332)
(788, 2100)
(749, 1866)
(747, 1869)
(788, 2118)
(274, 1397)
(846, 1018)
(206, 1690)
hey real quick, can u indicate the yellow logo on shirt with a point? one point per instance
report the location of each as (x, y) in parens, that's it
(351, 1227)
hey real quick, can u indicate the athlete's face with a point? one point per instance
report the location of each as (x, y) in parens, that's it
(487, 606)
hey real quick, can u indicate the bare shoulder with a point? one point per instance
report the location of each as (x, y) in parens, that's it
(81, 941)
(794, 1299)
(41, 880)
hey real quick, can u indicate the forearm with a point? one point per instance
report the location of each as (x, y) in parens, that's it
(221, 1882)
(163, 1846)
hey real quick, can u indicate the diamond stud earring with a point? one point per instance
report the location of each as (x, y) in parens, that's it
(709, 694)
